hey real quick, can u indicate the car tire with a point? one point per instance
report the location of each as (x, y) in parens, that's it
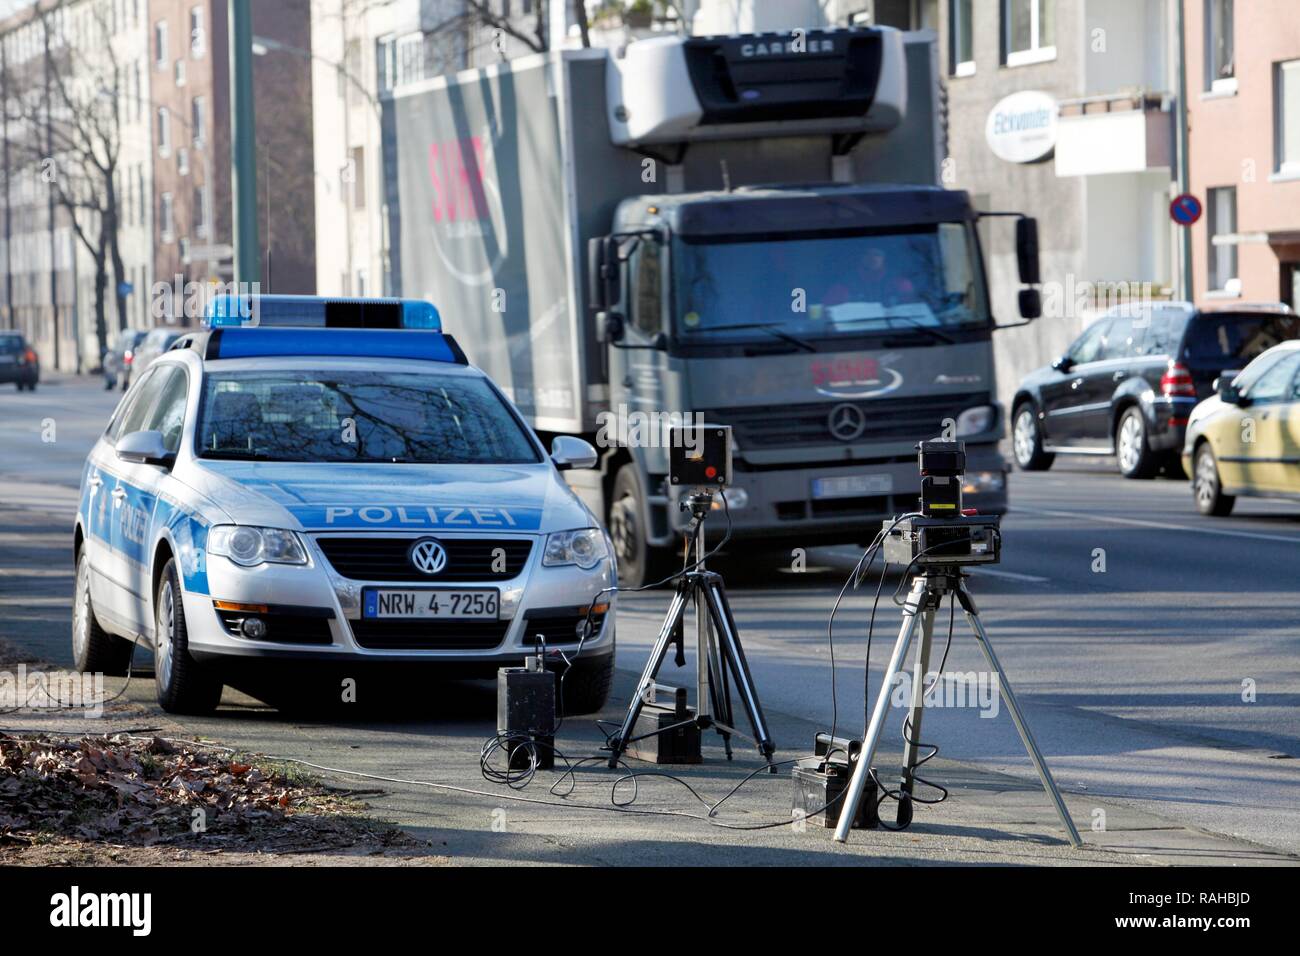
(639, 563)
(184, 686)
(94, 650)
(587, 685)
(1132, 453)
(1027, 440)
(1207, 488)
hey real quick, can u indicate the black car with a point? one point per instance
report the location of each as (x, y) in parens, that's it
(1127, 384)
(18, 361)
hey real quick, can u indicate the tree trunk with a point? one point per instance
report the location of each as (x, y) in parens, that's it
(113, 237)
(101, 282)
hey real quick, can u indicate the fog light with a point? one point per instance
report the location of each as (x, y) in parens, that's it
(253, 628)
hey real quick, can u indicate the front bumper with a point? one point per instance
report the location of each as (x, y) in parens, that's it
(781, 504)
(322, 610)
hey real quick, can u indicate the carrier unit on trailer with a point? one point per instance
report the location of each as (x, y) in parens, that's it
(746, 228)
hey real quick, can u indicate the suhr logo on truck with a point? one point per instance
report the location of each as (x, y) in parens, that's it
(466, 208)
(857, 377)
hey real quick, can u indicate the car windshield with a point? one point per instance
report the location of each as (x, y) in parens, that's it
(351, 415)
(1225, 340)
(829, 286)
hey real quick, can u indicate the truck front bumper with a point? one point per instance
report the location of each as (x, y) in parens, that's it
(783, 503)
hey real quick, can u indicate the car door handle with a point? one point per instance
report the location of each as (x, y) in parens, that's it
(119, 494)
(95, 481)
(1119, 376)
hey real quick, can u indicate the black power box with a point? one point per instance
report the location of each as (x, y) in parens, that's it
(666, 734)
(819, 794)
(526, 711)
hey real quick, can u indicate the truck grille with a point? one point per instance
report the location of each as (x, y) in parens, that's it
(376, 558)
(888, 419)
(429, 635)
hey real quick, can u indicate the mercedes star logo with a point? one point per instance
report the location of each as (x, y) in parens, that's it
(847, 421)
(428, 556)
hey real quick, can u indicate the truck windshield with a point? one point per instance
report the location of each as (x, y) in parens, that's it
(829, 287)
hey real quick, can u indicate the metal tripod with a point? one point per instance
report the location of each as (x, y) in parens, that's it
(928, 590)
(719, 657)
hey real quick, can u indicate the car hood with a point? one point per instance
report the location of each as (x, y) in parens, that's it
(392, 497)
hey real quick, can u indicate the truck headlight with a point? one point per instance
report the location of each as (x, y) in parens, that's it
(977, 420)
(983, 481)
(248, 546)
(584, 547)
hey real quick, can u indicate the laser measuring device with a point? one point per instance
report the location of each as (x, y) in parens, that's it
(944, 534)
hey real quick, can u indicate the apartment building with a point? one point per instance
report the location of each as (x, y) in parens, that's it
(1243, 78)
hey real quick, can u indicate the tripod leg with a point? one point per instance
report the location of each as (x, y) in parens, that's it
(849, 810)
(912, 728)
(720, 686)
(734, 655)
(704, 696)
(1027, 737)
(618, 743)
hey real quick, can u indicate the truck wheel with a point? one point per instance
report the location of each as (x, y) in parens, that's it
(1027, 440)
(184, 687)
(94, 650)
(639, 563)
(1206, 485)
(1135, 457)
(586, 685)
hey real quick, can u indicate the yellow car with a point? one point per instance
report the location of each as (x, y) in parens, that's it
(1246, 439)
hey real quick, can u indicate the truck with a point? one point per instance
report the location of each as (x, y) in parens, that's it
(744, 230)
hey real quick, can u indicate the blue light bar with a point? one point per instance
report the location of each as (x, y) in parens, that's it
(319, 312)
(421, 345)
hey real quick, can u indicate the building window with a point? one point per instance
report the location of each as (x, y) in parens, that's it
(1028, 31)
(160, 58)
(1286, 106)
(358, 177)
(183, 161)
(185, 250)
(166, 217)
(200, 214)
(198, 36)
(198, 120)
(961, 41)
(164, 131)
(1220, 61)
(1222, 220)
(180, 72)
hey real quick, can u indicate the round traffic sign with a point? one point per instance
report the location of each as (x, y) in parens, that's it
(1185, 210)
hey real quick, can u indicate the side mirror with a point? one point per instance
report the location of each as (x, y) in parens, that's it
(1227, 391)
(1031, 304)
(615, 326)
(1027, 250)
(1063, 364)
(569, 452)
(144, 448)
(598, 297)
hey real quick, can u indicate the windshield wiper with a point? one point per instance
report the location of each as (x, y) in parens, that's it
(911, 323)
(771, 328)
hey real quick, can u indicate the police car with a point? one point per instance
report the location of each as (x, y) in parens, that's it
(311, 480)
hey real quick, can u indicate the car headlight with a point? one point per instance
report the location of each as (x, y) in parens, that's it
(977, 420)
(983, 481)
(584, 547)
(248, 546)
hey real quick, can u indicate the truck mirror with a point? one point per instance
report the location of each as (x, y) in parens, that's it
(1031, 304)
(1027, 251)
(596, 264)
(615, 326)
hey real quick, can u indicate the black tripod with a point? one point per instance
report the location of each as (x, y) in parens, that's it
(719, 657)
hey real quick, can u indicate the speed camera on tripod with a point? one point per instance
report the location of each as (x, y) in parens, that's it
(944, 534)
(699, 456)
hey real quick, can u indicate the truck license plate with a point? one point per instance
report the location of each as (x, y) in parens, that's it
(852, 486)
(427, 603)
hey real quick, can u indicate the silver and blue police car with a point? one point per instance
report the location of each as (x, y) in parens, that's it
(312, 481)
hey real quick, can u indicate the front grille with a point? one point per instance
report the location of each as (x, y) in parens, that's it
(374, 558)
(887, 419)
(429, 635)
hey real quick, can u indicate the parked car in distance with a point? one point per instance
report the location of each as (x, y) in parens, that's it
(1245, 440)
(1128, 384)
(19, 362)
(154, 344)
(120, 356)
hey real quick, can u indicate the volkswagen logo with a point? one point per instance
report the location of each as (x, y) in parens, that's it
(846, 421)
(428, 556)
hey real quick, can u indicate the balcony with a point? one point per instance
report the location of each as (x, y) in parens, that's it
(1128, 132)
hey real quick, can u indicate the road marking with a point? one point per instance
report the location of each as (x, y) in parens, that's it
(1163, 527)
(1031, 578)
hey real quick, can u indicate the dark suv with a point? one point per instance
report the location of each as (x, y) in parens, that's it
(1127, 384)
(18, 361)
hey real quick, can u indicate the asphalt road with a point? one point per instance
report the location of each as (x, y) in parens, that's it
(1133, 679)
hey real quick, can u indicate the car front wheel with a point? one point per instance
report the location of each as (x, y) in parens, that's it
(639, 562)
(1027, 441)
(1207, 486)
(1135, 457)
(184, 687)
